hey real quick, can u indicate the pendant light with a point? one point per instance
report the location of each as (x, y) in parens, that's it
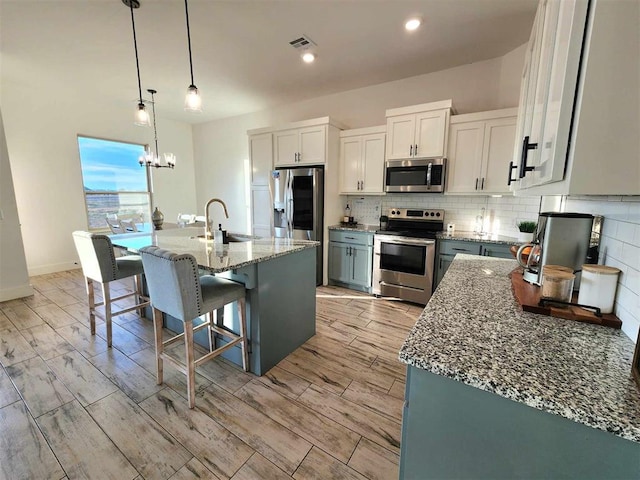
(152, 159)
(141, 116)
(193, 100)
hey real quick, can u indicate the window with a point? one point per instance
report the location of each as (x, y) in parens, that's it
(114, 182)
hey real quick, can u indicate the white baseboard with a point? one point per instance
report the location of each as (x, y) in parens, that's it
(52, 268)
(15, 292)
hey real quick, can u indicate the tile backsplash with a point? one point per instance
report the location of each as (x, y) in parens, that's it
(499, 214)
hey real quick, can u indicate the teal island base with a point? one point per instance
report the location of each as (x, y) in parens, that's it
(451, 430)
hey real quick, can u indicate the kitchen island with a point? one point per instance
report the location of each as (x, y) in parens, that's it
(278, 273)
(494, 392)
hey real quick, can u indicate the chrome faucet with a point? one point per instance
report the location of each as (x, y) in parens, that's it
(208, 230)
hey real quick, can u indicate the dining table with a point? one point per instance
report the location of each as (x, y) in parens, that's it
(279, 275)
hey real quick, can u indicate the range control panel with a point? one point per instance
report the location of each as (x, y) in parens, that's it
(416, 214)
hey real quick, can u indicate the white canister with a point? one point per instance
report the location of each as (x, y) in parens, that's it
(598, 286)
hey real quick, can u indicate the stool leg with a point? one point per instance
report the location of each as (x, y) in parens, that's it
(191, 367)
(137, 280)
(91, 300)
(106, 295)
(242, 310)
(157, 330)
(209, 317)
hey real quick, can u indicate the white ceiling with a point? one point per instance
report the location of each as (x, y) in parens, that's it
(242, 58)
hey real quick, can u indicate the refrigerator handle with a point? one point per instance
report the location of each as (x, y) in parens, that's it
(289, 203)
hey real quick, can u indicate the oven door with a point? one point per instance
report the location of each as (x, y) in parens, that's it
(425, 175)
(403, 267)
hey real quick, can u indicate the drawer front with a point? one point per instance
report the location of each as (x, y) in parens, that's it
(357, 238)
(496, 250)
(452, 247)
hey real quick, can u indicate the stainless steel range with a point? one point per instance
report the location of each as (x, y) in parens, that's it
(404, 254)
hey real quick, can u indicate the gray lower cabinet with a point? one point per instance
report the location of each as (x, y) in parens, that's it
(451, 431)
(351, 259)
(447, 250)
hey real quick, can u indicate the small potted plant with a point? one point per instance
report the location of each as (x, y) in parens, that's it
(526, 228)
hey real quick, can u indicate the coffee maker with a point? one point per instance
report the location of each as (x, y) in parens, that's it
(560, 239)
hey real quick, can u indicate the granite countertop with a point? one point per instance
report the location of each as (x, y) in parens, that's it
(215, 258)
(479, 336)
(476, 237)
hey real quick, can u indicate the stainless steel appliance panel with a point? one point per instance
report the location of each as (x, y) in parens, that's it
(403, 267)
(298, 195)
(423, 175)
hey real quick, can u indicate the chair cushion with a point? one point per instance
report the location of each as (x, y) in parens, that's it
(128, 266)
(217, 292)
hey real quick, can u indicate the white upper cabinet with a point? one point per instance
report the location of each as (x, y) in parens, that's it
(578, 117)
(261, 158)
(362, 161)
(480, 149)
(300, 146)
(419, 131)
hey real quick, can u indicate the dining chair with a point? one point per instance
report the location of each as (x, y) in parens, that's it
(176, 288)
(99, 264)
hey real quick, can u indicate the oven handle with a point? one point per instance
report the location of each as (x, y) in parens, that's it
(407, 241)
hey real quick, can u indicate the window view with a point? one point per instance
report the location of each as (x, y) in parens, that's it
(115, 186)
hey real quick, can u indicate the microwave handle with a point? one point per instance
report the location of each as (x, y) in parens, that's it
(429, 174)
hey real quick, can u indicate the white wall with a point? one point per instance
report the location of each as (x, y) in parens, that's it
(14, 280)
(41, 126)
(221, 148)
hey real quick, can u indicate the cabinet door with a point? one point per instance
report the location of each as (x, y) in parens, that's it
(286, 147)
(339, 262)
(312, 145)
(499, 140)
(261, 211)
(401, 132)
(497, 250)
(373, 164)
(465, 157)
(261, 158)
(444, 261)
(430, 134)
(350, 164)
(361, 258)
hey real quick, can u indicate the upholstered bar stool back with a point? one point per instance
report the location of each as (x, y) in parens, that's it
(99, 264)
(176, 288)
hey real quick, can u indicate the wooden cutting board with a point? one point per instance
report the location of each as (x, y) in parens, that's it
(528, 296)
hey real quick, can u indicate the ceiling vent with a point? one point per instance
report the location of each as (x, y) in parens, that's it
(303, 42)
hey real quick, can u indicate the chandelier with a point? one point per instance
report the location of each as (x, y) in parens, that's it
(150, 158)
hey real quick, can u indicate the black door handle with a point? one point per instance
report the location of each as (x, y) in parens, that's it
(526, 146)
(511, 168)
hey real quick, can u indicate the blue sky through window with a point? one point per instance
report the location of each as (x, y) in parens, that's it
(111, 166)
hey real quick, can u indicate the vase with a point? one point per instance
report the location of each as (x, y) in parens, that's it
(157, 218)
(525, 236)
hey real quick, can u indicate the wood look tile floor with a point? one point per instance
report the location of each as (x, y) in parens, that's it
(72, 408)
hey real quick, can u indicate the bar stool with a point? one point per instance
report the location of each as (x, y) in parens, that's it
(176, 288)
(99, 264)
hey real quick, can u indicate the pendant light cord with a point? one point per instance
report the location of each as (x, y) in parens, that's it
(135, 47)
(186, 12)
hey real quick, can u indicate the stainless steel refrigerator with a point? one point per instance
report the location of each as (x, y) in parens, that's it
(298, 195)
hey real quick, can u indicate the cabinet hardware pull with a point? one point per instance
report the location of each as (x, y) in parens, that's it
(361, 184)
(526, 146)
(476, 183)
(415, 150)
(512, 167)
(482, 184)
(411, 151)
(350, 238)
(460, 249)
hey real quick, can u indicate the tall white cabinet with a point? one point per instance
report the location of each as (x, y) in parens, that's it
(578, 121)
(362, 161)
(261, 164)
(480, 149)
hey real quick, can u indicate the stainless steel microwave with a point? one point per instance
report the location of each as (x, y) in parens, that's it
(411, 175)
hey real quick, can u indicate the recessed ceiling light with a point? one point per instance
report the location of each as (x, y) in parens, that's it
(308, 57)
(412, 24)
